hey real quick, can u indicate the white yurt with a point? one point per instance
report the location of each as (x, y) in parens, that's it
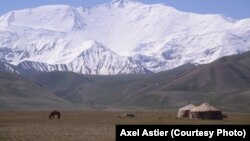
(205, 111)
(183, 112)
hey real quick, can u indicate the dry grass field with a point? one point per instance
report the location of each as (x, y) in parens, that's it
(86, 125)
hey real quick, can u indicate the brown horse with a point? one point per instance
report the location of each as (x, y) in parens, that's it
(52, 114)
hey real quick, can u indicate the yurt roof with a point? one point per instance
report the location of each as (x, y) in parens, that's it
(187, 107)
(205, 107)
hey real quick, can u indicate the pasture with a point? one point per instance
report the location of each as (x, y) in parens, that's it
(87, 125)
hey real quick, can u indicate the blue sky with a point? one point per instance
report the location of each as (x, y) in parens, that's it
(237, 9)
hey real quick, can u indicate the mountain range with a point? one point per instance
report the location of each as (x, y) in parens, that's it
(119, 37)
(224, 83)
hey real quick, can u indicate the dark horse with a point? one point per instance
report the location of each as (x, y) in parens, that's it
(52, 114)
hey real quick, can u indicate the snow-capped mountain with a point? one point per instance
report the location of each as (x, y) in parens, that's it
(119, 37)
(5, 67)
(97, 59)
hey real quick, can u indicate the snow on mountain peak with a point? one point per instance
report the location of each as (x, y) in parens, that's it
(51, 17)
(94, 58)
(100, 39)
(6, 19)
(122, 3)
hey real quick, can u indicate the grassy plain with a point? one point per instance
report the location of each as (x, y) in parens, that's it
(87, 125)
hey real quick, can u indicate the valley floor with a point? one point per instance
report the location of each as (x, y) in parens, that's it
(87, 125)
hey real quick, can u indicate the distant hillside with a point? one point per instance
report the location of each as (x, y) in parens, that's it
(224, 83)
(226, 74)
(85, 89)
(18, 92)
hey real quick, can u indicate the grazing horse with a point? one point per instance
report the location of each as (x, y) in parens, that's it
(127, 115)
(52, 114)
